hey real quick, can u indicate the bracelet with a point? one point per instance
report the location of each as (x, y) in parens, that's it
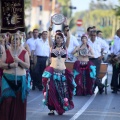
(50, 28)
(67, 30)
(9, 66)
(20, 65)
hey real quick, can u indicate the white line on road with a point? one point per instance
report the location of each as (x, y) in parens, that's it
(88, 102)
(34, 99)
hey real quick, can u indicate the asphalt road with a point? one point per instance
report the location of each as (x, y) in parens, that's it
(95, 107)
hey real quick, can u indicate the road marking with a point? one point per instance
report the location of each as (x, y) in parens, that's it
(88, 102)
(102, 115)
(34, 99)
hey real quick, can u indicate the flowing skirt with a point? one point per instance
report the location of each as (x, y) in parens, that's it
(1, 73)
(84, 74)
(59, 88)
(13, 98)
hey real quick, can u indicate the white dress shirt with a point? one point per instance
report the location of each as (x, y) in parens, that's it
(104, 45)
(96, 46)
(116, 46)
(31, 43)
(73, 43)
(42, 48)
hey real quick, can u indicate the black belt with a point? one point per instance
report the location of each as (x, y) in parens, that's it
(42, 56)
(93, 58)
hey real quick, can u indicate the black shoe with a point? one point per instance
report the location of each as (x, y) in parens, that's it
(40, 89)
(51, 112)
(101, 91)
(114, 91)
(33, 87)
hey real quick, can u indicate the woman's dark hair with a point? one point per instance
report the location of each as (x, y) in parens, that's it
(61, 35)
(83, 37)
(86, 38)
(57, 31)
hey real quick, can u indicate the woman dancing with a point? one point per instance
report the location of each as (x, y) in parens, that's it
(84, 70)
(58, 82)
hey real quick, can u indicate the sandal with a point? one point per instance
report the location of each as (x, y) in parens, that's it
(51, 112)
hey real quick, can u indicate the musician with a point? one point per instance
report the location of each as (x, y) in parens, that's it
(115, 54)
(97, 47)
(83, 68)
(58, 81)
(31, 44)
(42, 51)
(15, 61)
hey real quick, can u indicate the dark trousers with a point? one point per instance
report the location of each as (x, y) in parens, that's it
(31, 63)
(38, 71)
(50, 107)
(97, 63)
(115, 82)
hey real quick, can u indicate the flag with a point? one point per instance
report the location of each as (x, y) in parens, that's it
(12, 16)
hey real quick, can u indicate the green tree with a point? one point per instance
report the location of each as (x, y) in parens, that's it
(65, 7)
(27, 5)
(97, 16)
(117, 9)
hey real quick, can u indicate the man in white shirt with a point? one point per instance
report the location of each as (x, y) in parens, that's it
(31, 44)
(32, 40)
(73, 42)
(115, 53)
(42, 51)
(96, 46)
(105, 46)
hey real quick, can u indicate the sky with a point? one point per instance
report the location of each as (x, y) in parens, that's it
(84, 4)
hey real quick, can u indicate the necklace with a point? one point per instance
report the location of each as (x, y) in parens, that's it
(15, 52)
(59, 53)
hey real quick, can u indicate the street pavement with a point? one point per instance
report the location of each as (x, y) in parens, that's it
(95, 107)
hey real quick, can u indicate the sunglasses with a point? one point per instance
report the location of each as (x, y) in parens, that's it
(93, 35)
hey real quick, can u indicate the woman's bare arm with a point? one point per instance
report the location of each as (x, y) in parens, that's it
(28, 49)
(75, 50)
(50, 35)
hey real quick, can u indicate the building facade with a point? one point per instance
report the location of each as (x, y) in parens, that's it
(41, 11)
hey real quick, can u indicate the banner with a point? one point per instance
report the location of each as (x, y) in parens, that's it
(12, 16)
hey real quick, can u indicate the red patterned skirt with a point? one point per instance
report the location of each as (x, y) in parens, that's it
(59, 87)
(82, 77)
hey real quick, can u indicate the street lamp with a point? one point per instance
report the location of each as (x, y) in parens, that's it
(72, 7)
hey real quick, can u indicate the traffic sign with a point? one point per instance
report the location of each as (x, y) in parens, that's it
(79, 22)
